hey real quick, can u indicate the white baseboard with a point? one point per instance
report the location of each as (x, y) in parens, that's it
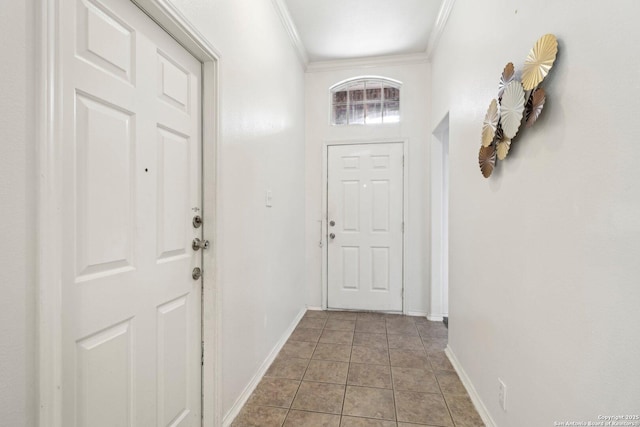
(435, 318)
(312, 308)
(246, 393)
(415, 313)
(473, 394)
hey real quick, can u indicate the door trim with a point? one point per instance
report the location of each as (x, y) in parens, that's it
(438, 289)
(49, 187)
(324, 227)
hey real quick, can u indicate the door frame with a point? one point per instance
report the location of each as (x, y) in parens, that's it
(324, 222)
(49, 185)
(439, 288)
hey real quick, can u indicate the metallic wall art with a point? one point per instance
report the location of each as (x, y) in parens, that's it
(512, 108)
(539, 61)
(502, 148)
(507, 75)
(487, 160)
(490, 123)
(519, 101)
(534, 106)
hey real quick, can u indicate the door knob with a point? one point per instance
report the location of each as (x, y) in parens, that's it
(332, 236)
(199, 244)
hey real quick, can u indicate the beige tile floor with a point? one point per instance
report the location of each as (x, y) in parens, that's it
(348, 369)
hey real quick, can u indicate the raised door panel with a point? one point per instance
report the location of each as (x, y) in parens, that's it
(380, 268)
(105, 41)
(380, 162)
(104, 377)
(174, 83)
(350, 218)
(173, 359)
(379, 206)
(105, 190)
(173, 195)
(350, 267)
(351, 162)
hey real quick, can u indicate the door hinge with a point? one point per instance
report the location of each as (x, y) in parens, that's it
(201, 353)
(403, 226)
(403, 161)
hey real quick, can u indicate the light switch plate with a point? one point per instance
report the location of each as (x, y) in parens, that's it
(268, 199)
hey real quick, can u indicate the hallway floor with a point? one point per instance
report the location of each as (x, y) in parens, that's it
(347, 369)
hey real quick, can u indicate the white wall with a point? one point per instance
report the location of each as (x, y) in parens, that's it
(544, 271)
(262, 147)
(414, 126)
(17, 216)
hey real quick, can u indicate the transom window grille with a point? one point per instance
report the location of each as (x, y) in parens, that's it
(365, 101)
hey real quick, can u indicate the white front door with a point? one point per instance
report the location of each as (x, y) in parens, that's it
(365, 230)
(131, 149)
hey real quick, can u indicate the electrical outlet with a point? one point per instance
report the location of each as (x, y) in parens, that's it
(502, 394)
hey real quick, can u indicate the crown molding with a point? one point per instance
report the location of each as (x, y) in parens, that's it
(369, 62)
(441, 22)
(285, 17)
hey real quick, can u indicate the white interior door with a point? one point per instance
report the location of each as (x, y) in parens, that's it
(365, 230)
(131, 144)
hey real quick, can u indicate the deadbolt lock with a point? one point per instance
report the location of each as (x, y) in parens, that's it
(197, 221)
(199, 244)
(197, 273)
(332, 223)
(332, 236)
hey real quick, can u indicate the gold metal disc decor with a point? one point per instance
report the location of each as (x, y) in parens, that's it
(502, 148)
(519, 101)
(490, 123)
(539, 61)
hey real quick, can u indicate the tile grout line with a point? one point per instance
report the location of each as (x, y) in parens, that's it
(302, 378)
(440, 388)
(393, 387)
(346, 381)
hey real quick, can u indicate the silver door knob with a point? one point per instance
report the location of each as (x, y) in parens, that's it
(199, 244)
(332, 236)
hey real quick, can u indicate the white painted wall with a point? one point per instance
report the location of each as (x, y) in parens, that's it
(262, 147)
(414, 126)
(544, 271)
(17, 216)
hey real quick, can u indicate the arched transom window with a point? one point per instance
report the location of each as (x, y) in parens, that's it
(365, 100)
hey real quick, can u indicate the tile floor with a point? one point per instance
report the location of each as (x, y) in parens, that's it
(348, 369)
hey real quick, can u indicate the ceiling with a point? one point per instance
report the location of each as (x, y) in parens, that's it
(351, 29)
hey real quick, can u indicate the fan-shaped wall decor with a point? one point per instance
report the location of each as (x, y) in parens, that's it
(502, 148)
(539, 61)
(512, 108)
(505, 117)
(534, 106)
(490, 123)
(507, 76)
(487, 160)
